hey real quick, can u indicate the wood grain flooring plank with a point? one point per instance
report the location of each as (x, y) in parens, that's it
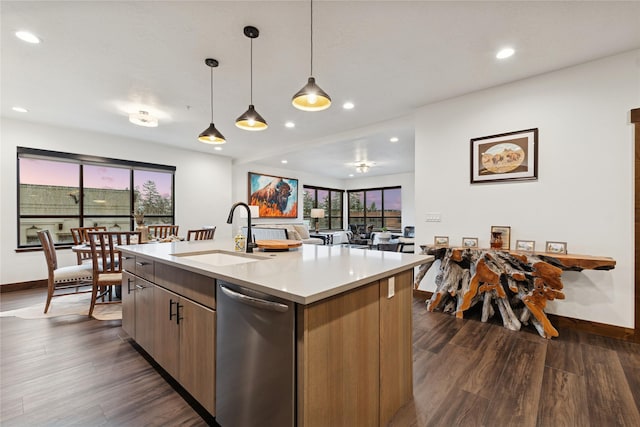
(471, 334)
(611, 401)
(461, 409)
(563, 400)
(565, 355)
(518, 389)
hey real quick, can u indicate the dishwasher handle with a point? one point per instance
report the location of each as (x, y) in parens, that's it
(254, 302)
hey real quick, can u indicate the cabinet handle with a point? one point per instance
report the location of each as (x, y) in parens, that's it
(141, 264)
(178, 317)
(171, 302)
(139, 287)
(128, 285)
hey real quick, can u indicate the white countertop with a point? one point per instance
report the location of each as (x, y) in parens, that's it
(303, 275)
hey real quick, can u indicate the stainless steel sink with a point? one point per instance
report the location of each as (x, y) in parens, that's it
(220, 258)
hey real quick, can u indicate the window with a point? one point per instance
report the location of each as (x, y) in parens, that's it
(59, 191)
(379, 207)
(323, 198)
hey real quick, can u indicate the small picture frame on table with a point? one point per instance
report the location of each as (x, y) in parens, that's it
(505, 234)
(441, 241)
(556, 247)
(469, 242)
(525, 245)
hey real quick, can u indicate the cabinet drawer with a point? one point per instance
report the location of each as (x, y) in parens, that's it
(196, 287)
(129, 263)
(145, 268)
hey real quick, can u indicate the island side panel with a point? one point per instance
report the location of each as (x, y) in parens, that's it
(396, 360)
(339, 360)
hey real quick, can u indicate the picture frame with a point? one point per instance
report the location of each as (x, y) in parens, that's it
(555, 247)
(469, 242)
(525, 245)
(441, 241)
(511, 156)
(276, 196)
(505, 230)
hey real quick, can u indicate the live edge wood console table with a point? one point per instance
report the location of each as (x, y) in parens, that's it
(519, 283)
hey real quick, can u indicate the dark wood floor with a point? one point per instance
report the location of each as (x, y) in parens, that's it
(75, 371)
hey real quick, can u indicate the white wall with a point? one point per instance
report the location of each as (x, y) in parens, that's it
(202, 185)
(584, 193)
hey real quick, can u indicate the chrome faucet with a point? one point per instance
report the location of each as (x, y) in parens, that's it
(250, 245)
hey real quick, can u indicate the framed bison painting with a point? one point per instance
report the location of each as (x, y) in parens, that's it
(276, 196)
(505, 157)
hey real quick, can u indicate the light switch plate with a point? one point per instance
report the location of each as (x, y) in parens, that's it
(433, 217)
(392, 287)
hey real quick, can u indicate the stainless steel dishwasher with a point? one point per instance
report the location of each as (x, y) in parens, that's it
(255, 358)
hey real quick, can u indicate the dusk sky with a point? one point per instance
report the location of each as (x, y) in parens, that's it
(44, 172)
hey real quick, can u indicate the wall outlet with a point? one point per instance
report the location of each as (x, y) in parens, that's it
(433, 217)
(392, 287)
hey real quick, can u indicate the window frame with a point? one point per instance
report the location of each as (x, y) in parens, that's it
(82, 160)
(329, 218)
(383, 217)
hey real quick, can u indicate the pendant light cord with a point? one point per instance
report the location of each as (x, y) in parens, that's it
(251, 79)
(311, 74)
(211, 94)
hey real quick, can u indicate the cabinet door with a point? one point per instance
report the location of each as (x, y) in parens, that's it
(197, 352)
(396, 376)
(166, 340)
(128, 304)
(144, 314)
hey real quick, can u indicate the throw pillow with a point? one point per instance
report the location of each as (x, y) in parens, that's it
(302, 231)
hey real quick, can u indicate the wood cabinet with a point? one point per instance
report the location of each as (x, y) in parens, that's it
(355, 355)
(137, 310)
(176, 331)
(184, 343)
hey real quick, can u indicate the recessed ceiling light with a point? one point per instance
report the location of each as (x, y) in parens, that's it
(217, 148)
(284, 162)
(290, 124)
(350, 175)
(348, 105)
(20, 109)
(394, 139)
(28, 37)
(505, 53)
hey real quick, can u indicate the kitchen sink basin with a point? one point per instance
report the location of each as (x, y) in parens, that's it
(219, 258)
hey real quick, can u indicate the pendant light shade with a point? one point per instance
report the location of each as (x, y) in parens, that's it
(251, 119)
(211, 135)
(311, 97)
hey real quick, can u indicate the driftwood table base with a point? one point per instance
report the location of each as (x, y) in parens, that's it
(518, 285)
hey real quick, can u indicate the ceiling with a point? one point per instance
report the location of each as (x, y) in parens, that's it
(100, 60)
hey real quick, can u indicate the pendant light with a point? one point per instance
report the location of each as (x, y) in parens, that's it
(251, 119)
(211, 135)
(311, 97)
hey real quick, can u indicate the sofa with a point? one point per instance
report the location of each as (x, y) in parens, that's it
(295, 232)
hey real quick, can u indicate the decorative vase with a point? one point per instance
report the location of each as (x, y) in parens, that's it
(496, 240)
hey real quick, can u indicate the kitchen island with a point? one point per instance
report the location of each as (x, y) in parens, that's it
(351, 339)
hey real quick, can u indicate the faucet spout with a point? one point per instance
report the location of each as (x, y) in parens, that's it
(250, 244)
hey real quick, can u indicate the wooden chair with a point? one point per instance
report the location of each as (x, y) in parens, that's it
(107, 268)
(69, 279)
(162, 231)
(201, 234)
(79, 235)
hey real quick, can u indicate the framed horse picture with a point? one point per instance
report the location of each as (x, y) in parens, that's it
(276, 196)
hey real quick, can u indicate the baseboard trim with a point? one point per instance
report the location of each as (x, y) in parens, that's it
(21, 286)
(595, 328)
